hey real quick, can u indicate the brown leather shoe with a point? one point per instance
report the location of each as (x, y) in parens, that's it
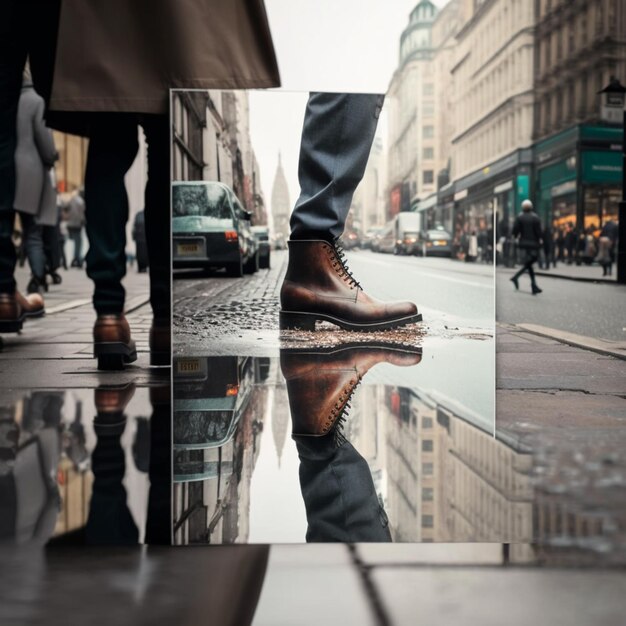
(32, 304)
(319, 286)
(15, 308)
(321, 384)
(160, 342)
(112, 344)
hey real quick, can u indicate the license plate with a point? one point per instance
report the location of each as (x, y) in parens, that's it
(188, 249)
(188, 366)
(440, 243)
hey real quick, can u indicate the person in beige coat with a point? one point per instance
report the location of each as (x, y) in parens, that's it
(115, 63)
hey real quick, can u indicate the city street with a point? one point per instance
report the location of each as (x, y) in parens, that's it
(595, 310)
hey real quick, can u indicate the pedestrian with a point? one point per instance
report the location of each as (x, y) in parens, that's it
(35, 197)
(589, 248)
(115, 64)
(604, 257)
(472, 248)
(570, 243)
(527, 229)
(318, 284)
(560, 245)
(75, 223)
(141, 246)
(611, 230)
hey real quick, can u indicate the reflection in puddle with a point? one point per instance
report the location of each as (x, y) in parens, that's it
(85, 466)
(267, 450)
(256, 461)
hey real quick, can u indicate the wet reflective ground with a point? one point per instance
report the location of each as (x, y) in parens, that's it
(404, 465)
(85, 466)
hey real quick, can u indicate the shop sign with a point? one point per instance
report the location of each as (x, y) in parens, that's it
(564, 189)
(503, 187)
(602, 168)
(461, 195)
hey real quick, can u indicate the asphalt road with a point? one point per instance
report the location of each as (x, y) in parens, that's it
(591, 309)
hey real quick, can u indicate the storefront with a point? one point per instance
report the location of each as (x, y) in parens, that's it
(493, 193)
(579, 174)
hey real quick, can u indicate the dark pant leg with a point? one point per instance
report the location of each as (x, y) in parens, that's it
(113, 146)
(337, 138)
(157, 213)
(109, 520)
(339, 493)
(33, 242)
(13, 49)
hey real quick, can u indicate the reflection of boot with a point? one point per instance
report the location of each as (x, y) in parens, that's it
(320, 384)
(111, 402)
(319, 286)
(112, 345)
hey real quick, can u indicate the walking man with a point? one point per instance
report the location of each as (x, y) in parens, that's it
(75, 223)
(527, 230)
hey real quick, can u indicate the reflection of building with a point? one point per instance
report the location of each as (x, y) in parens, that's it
(411, 113)
(281, 204)
(211, 141)
(280, 427)
(579, 45)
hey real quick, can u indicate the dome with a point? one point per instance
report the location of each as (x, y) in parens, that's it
(415, 41)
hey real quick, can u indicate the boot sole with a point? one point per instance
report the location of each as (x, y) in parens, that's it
(12, 326)
(114, 355)
(291, 320)
(389, 346)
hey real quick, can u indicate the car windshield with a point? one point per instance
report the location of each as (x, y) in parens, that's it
(438, 234)
(201, 201)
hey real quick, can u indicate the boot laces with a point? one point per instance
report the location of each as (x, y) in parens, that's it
(340, 420)
(342, 264)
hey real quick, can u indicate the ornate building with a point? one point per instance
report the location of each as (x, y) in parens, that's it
(411, 112)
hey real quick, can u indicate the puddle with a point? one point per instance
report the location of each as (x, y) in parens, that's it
(85, 466)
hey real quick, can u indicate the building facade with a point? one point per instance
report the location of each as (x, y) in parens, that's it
(412, 156)
(494, 102)
(281, 205)
(579, 46)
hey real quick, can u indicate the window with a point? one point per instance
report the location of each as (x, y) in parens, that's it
(428, 132)
(428, 110)
(427, 469)
(429, 89)
(427, 445)
(427, 422)
(428, 177)
(428, 154)
(427, 494)
(427, 521)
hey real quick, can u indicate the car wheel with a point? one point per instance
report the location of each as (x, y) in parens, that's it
(235, 269)
(252, 265)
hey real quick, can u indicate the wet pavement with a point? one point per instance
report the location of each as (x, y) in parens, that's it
(244, 393)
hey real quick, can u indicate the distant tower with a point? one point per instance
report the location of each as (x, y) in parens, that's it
(281, 204)
(280, 424)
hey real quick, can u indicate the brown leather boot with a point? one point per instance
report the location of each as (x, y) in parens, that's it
(319, 286)
(321, 384)
(160, 342)
(32, 304)
(112, 344)
(15, 308)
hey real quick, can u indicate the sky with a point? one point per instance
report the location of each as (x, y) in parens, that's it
(321, 45)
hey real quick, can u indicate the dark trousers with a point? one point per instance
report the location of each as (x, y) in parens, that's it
(339, 493)
(76, 236)
(530, 257)
(113, 145)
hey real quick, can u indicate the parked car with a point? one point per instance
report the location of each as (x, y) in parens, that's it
(437, 242)
(262, 234)
(211, 229)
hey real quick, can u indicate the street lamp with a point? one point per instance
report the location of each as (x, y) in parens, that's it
(613, 108)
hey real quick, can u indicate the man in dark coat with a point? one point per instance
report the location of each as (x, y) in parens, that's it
(527, 229)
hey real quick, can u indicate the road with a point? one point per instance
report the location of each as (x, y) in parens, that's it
(595, 310)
